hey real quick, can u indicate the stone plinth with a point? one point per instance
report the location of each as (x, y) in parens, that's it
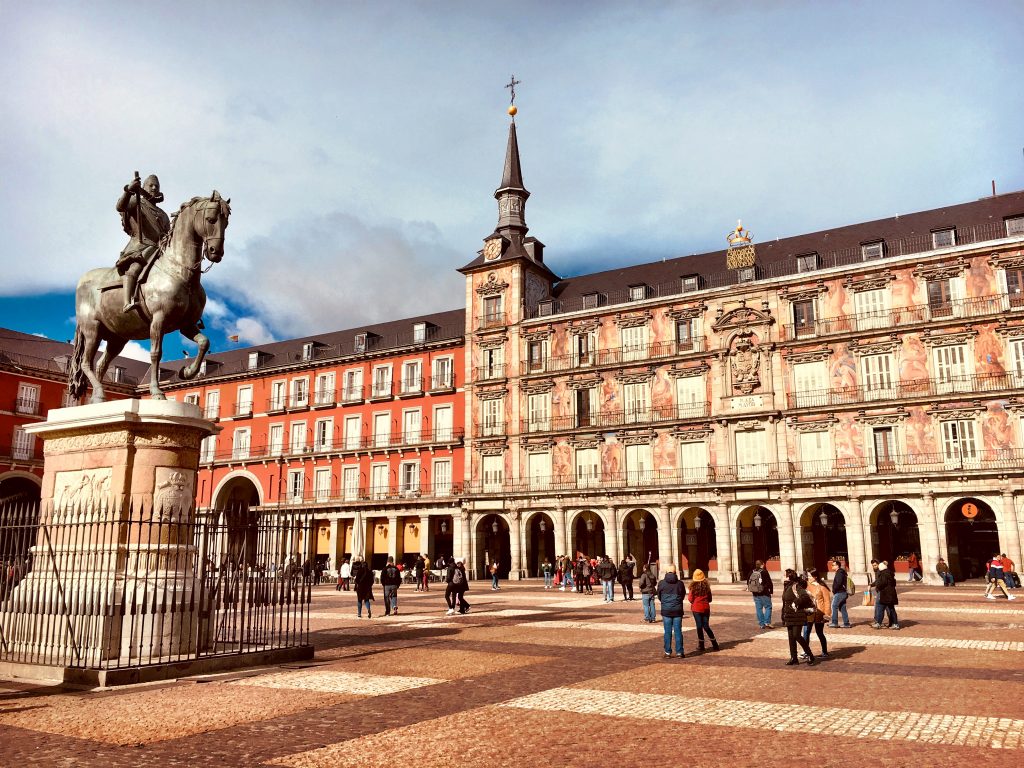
(114, 558)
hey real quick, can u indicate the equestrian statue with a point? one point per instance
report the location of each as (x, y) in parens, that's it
(154, 289)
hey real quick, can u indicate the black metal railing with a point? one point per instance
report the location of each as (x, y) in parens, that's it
(613, 356)
(411, 491)
(260, 451)
(911, 388)
(95, 587)
(617, 418)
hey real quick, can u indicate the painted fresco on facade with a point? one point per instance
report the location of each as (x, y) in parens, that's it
(662, 394)
(997, 428)
(920, 432)
(666, 457)
(913, 359)
(562, 465)
(988, 352)
(843, 367)
(849, 440)
(980, 278)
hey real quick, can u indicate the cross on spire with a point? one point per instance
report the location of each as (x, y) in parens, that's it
(512, 86)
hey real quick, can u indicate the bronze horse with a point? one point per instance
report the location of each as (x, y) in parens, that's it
(171, 299)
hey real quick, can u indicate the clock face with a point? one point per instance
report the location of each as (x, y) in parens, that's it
(492, 250)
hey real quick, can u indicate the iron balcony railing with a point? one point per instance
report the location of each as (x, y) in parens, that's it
(896, 247)
(491, 320)
(613, 356)
(442, 382)
(489, 429)
(26, 406)
(958, 460)
(351, 395)
(617, 418)
(211, 412)
(256, 452)
(412, 385)
(371, 493)
(912, 388)
(890, 318)
(490, 372)
(324, 398)
(242, 410)
(381, 390)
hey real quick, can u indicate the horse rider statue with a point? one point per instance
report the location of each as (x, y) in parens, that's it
(146, 224)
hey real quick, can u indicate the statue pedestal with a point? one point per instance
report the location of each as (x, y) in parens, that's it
(112, 569)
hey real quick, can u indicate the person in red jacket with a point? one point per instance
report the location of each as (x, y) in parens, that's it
(700, 604)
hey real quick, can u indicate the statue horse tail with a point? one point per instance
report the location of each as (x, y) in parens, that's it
(77, 382)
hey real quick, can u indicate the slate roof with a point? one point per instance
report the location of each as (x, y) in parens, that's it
(26, 350)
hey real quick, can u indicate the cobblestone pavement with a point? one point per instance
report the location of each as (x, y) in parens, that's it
(534, 677)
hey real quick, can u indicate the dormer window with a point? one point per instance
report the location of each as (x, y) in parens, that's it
(1014, 226)
(944, 238)
(360, 343)
(873, 250)
(307, 350)
(637, 292)
(419, 333)
(691, 283)
(254, 361)
(746, 274)
(590, 300)
(545, 308)
(807, 262)
(119, 373)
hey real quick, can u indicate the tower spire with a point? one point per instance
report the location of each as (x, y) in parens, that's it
(512, 195)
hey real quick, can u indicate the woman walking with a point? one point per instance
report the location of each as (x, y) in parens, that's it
(363, 580)
(797, 605)
(670, 593)
(462, 586)
(648, 588)
(822, 597)
(700, 605)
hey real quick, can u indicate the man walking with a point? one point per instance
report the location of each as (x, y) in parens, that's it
(426, 573)
(885, 585)
(453, 581)
(840, 595)
(648, 588)
(417, 571)
(391, 580)
(606, 571)
(759, 584)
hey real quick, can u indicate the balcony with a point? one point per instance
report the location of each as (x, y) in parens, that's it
(999, 460)
(410, 386)
(376, 493)
(417, 438)
(492, 372)
(613, 356)
(491, 429)
(324, 398)
(442, 383)
(277, 404)
(912, 388)
(617, 418)
(298, 402)
(891, 318)
(489, 321)
(26, 406)
(381, 390)
(352, 395)
(242, 410)
(212, 412)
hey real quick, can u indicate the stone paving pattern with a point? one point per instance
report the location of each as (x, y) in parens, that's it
(540, 677)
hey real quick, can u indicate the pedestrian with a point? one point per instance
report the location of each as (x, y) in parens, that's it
(345, 574)
(494, 576)
(700, 606)
(568, 583)
(390, 580)
(648, 589)
(944, 573)
(840, 595)
(626, 579)
(797, 605)
(607, 572)
(417, 570)
(1009, 573)
(819, 590)
(547, 570)
(583, 576)
(426, 573)
(362, 577)
(914, 572)
(462, 585)
(759, 585)
(885, 587)
(453, 580)
(996, 579)
(671, 592)
(872, 591)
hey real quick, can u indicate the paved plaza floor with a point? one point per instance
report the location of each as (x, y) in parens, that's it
(535, 677)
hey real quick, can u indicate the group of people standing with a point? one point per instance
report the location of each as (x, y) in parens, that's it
(583, 573)
(672, 593)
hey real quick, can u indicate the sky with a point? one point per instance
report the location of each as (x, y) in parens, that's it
(361, 143)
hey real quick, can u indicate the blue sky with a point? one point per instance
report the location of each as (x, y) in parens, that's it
(361, 142)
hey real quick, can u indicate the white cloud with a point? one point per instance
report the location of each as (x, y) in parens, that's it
(250, 331)
(133, 350)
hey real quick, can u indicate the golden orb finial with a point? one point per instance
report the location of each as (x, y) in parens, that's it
(512, 110)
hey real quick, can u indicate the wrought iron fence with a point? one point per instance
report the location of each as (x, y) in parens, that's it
(95, 587)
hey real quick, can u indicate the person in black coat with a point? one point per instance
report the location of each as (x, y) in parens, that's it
(362, 578)
(671, 592)
(885, 585)
(797, 607)
(626, 579)
(840, 595)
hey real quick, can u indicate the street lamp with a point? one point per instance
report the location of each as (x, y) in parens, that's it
(823, 517)
(696, 522)
(494, 526)
(543, 525)
(590, 524)
(444, 526)
(894, 515)
(643, 521)
(757, 519)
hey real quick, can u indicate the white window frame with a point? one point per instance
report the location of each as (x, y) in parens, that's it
(810, 384)
(28, 398)
(299, 392)
(409, 479)
(22, 444)
(746, 274)
(381, 437)
(412, 376)
(296, 485)
(243, 401)
(584, 348)
(492, 417)
(694, 461)
(492, 363)
(352, 438)
(322, 483)
(324, 391)
(872, 309)
(212, 409)
(442, 372)
(538, 410)
(382, 384)
(380, 480)
(441, 477)
(275, 439)
(352, 390)
(751, 452)
(588, 467)
(1014, 226)
(492, 472)
(872, 251)
(639, 458)
(944, 238)
(690, 284)
(413, 435)
(952, 368)
(634, 341)
(538, 469)
(191, 398)
(878, 375)
(279, 395)
(691, 396)
(443, 433)
(636, 403)
(350, 482)
(960, 439)
(323, 434)
(297, 437)
(816, 454)
(419, 333)
(208, 449)
(241, 443)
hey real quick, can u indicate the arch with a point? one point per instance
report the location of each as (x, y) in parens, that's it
(575, 514)
(698, 541)
(493, 546)
(894, 533)
(970, 542)
(540, 541)
(588, 533)
(757, 531)
(18, 487)
(232, 489)
(823, 541)
(640, 535)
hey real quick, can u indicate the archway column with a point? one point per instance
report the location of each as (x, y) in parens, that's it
(337, 534)
(464, 536)
(725, 541)
(562, 543)
(788, 531)
(855, 530)
(611, 535)
(515, 544)
(426, 535)
(1011, 535)
(928, 530)
(393, 536)
(665, 549)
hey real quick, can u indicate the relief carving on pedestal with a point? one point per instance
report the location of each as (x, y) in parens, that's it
(81, 493)
(115, 439)
(173, 494)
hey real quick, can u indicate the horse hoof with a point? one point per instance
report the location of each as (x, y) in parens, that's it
(158, 396)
